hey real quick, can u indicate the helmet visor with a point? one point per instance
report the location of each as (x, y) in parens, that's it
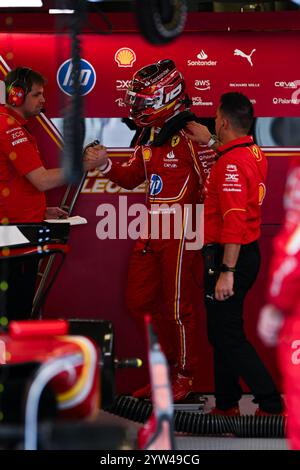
(138, 101)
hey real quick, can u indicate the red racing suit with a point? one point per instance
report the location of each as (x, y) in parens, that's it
(284, 294)
(160, 268)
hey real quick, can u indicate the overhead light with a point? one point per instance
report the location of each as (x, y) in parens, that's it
(20, 3)
(54, 11)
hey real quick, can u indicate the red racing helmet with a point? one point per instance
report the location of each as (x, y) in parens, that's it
(155, 94)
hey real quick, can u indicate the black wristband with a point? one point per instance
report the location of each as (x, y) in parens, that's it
(224, 268)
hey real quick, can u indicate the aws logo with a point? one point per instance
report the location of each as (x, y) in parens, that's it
(87, 77)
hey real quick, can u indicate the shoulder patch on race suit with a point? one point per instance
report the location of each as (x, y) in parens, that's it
(231, 168)
(17, 136)
(171, 155)
(256, 152)
(147, 153)
(156, 185)
(261, 193)
(170, 160)
(175, 140)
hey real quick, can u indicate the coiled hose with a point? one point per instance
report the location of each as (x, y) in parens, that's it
(201, 424)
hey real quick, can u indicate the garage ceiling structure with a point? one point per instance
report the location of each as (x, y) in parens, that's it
(128, 5)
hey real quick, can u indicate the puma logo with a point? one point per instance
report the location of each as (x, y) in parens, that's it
(245, 56)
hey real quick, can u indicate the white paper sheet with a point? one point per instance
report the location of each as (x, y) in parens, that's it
(75, 220)
(11, 235)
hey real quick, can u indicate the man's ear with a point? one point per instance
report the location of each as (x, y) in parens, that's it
(225, 123)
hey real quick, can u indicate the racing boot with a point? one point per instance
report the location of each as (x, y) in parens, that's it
(234, 411)
(143, 392)
(182, 386)
(260, 412)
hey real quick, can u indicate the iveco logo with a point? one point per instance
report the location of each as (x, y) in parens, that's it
(122, 85)
(202, 85)
(87, 77)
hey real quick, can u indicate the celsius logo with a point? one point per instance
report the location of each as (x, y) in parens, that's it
(87, 77)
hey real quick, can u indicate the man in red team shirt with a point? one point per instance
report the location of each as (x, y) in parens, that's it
(161, 269)
(234, 192)
(279, 321)
(23, 181)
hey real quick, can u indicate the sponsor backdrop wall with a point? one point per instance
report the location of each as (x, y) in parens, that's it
(91, 283)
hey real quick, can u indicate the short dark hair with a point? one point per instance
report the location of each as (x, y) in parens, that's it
(24, 75)
(238, 109)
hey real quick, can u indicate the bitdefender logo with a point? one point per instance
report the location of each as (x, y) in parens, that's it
(87, 77)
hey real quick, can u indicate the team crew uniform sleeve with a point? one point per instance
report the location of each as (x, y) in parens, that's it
(24, 155)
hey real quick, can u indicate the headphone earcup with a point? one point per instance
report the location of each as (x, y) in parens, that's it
(16, 95)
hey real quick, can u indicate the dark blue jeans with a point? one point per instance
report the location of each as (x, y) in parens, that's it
(234, 356)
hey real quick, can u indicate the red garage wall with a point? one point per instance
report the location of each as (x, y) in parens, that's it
(91, 283)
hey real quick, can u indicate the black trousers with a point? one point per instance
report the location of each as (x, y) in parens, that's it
(20, 276)
(234, 356)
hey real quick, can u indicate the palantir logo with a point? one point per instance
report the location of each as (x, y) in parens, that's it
(87, 77)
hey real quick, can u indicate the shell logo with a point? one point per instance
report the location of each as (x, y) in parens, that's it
(261, 193)
(147, 153)
(125, 57)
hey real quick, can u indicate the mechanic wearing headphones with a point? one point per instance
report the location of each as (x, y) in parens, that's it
(23, 180)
